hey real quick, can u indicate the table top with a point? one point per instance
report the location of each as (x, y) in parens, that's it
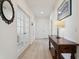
(62, 41)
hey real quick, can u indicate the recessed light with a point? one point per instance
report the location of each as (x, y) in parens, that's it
(42, 12)
(59, 12)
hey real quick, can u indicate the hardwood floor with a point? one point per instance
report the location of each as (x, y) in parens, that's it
(38, 50)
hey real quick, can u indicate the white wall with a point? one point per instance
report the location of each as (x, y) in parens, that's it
(77, 25)
(71, 23)
(32, 29)
(8, 33)
(71, 29)
(42, 27)
(8, 39)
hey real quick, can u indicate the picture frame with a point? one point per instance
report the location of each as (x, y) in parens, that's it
(64, 10)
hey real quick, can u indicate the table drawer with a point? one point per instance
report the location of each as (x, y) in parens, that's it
(67, 48)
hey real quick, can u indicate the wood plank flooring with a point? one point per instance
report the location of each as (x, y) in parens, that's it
(38, 50)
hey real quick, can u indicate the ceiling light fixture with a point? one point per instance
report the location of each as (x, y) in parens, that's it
(42, 12)
(59, 12)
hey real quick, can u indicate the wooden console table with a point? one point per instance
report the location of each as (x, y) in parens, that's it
(61, 46)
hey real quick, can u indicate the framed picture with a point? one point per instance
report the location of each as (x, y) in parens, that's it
(65, 9)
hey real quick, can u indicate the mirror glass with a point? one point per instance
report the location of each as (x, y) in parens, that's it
(7, 10)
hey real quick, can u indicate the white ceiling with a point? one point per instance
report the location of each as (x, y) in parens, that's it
(41, 6)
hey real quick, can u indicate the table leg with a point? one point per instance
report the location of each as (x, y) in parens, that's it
(58, 55)
(72, 56)
(49, 45)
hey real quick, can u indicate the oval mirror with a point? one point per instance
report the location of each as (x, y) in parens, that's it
(7, 11)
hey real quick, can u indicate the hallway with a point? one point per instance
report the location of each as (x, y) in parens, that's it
(26, 25)
(38, 50)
